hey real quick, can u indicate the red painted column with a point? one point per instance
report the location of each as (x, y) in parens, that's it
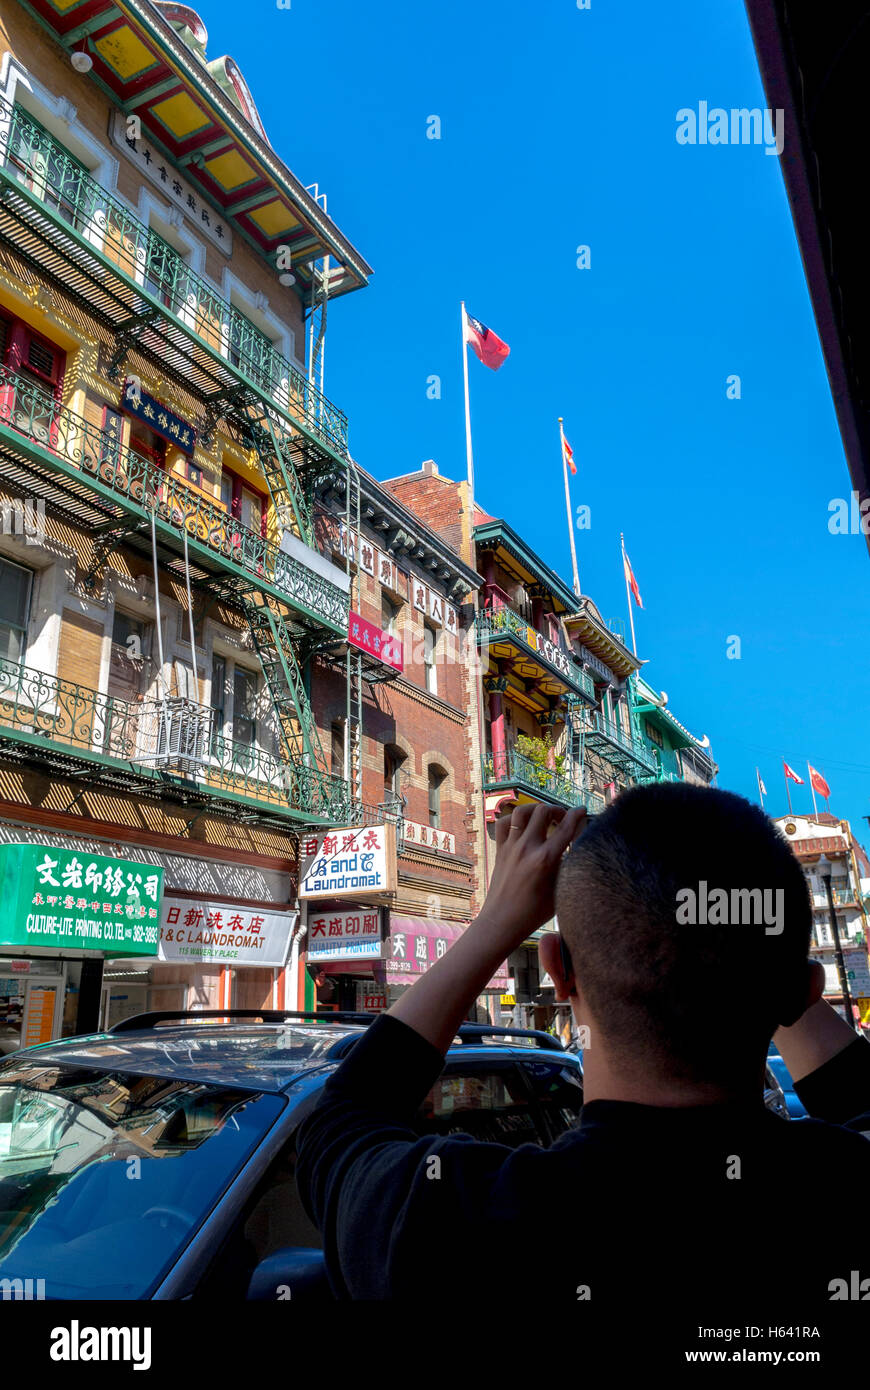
(496, 728)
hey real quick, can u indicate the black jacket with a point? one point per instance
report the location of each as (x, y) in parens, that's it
(695, 1211)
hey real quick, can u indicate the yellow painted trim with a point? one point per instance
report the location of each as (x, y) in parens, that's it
(181, 114)
(125, 52)
(230, 170)
(274, 218)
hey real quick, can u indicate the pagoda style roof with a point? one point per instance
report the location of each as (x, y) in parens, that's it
(150, 59)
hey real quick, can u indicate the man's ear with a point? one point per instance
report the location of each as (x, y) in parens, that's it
(815, 988)
(550, 957)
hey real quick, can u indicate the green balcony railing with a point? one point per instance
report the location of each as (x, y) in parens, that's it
(497, 621)
(603, 735)
(82, 449)
(36, 161)
(135, 739)
(514, 769)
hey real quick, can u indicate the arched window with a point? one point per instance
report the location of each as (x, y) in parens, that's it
(436, 777)
(394, 757)
(430, 657)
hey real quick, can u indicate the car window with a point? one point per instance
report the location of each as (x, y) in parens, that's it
(94, 1165)
(558, 1089)
(489, 1101)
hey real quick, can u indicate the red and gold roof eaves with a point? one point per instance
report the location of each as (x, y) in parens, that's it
(148, 70)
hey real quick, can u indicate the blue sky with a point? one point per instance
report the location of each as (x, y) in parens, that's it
(558, 129)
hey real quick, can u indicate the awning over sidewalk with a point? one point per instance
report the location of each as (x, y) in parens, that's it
(415, 943)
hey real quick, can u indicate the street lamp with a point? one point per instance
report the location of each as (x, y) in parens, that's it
(825, 875)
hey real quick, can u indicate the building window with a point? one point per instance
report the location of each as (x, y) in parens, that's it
(227, 490)
(337, 765)
(126, 659)
(39, 366)
(218, 692)
(163, 276)
(48, 170)
(146, 444)
(243, 336)
(253, 512)
(244, 707)
(430, 643)
(436, 777)
(15, 589)
(653, 734)
(251, 350)
(389, 616)
(393, 761)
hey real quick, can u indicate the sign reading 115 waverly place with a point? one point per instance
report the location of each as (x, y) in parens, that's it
(357, 862)
(70, 900)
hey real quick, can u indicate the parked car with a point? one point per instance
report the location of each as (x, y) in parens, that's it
(777, 1066)
(156, 1161)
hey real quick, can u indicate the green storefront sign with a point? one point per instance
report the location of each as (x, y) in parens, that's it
(70, 900)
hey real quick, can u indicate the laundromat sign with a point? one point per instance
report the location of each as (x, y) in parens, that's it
(356, 861)
(69, 900)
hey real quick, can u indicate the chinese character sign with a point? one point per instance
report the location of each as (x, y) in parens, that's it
(413, 952)
(158, 418)
(69, 899)
(355, 934)
(363, 634)
(415, 833)
(224, 933)
(151, 163)
(359, 861)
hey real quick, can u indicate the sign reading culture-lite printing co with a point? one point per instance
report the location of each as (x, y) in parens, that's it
(358, 862)
(71, 900)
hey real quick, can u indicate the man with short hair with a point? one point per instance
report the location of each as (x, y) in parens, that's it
(685, 927)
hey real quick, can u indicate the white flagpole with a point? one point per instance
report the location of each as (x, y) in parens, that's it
(568, 507)
(628, 593)
(469, 457)
(812, 791)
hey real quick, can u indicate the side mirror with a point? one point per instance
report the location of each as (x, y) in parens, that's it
(294, 1273)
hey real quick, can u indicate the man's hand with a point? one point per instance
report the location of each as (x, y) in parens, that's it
(521, 897)
(531, 842)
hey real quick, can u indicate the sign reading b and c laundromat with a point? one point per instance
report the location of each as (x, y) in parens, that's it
(357, 862)
(70, 900)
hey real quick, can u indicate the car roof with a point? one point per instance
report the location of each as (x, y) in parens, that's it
(255, 1056)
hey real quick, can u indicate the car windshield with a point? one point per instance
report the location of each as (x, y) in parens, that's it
(104, 1176)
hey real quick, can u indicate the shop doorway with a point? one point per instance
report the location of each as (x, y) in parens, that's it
(31, 1007)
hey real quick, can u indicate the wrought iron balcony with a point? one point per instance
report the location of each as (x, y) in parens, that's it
(90, 242)
(88, 455)
(513, 769)
(610, 741)
(493, 623)
(130, 745)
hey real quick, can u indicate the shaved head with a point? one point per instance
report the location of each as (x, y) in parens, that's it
(688, 923)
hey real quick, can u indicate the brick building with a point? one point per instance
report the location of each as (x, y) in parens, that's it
(412, 749)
